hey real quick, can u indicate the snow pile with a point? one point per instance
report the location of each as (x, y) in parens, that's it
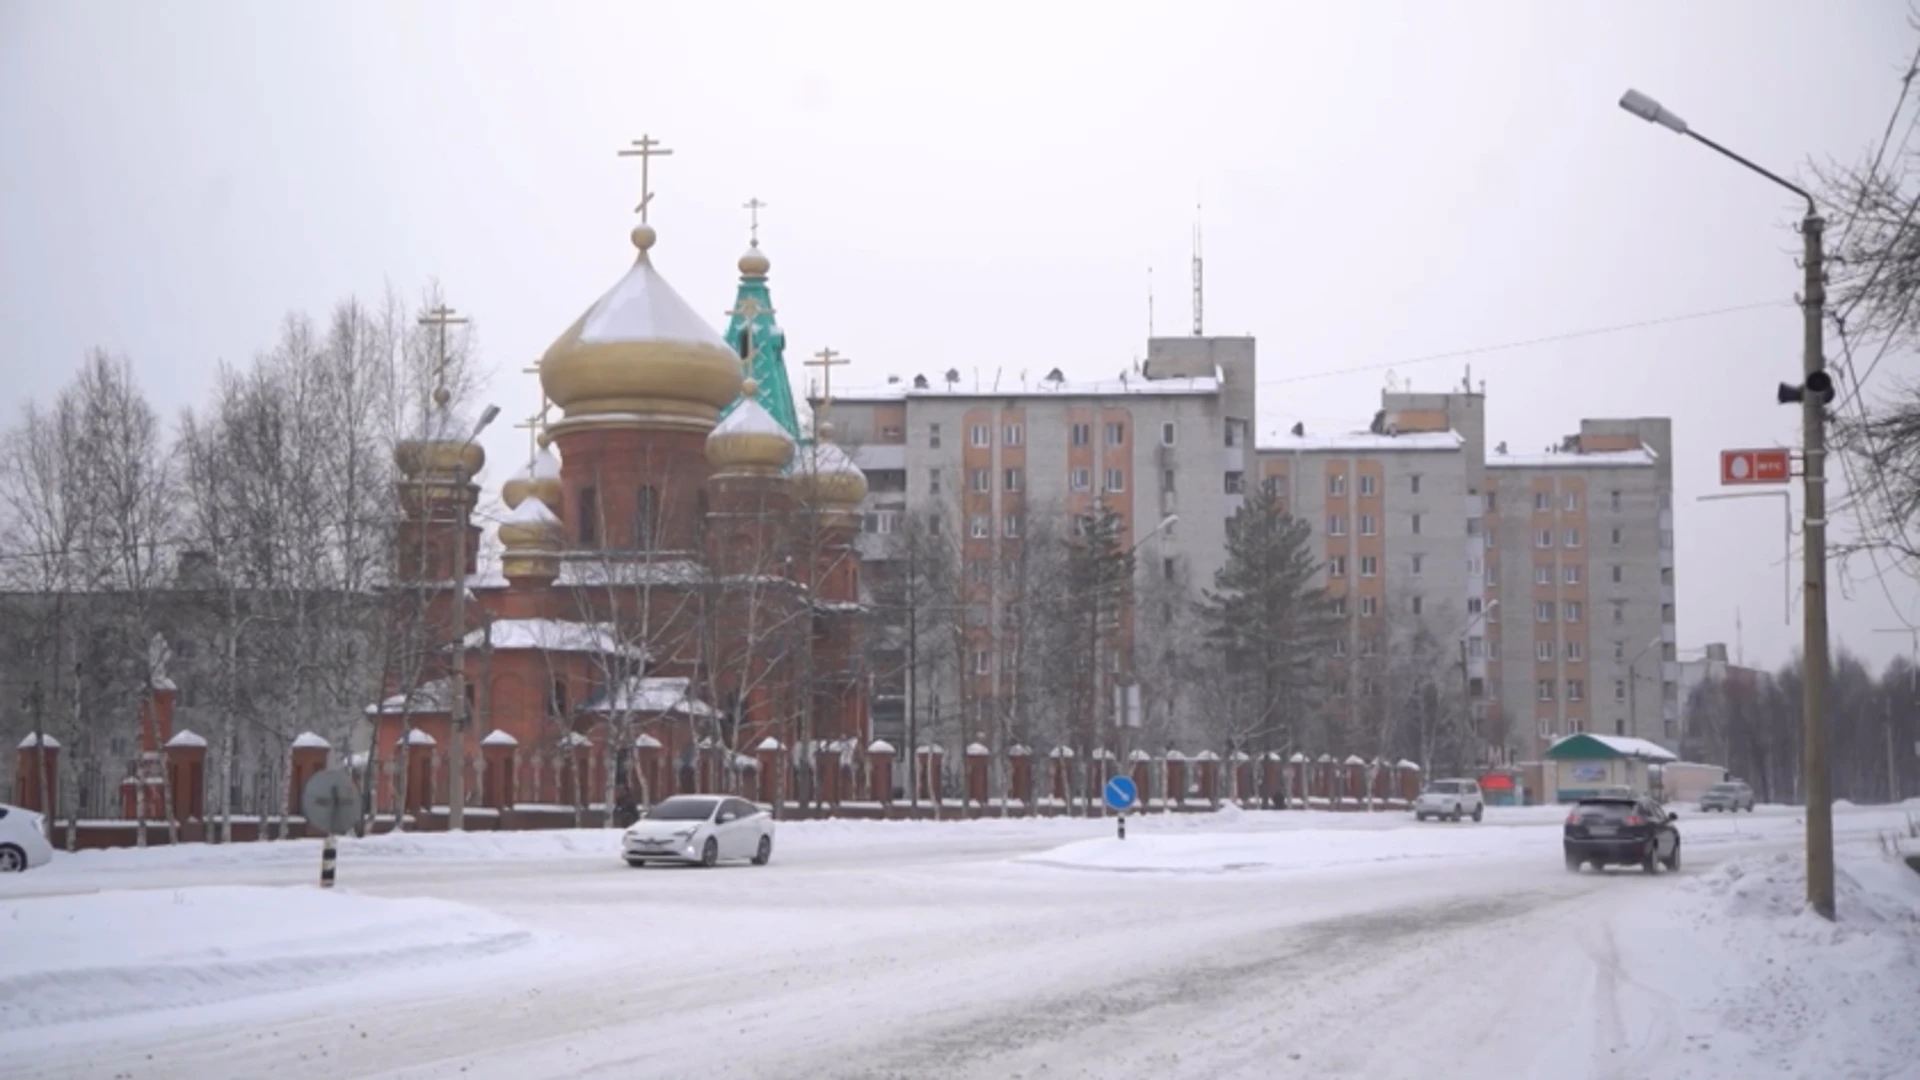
(1280, 851)
(113, 955)
(1782, 991)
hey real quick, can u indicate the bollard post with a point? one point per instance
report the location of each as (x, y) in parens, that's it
(326, 862)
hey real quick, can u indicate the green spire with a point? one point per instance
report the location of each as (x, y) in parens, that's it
(759, 340)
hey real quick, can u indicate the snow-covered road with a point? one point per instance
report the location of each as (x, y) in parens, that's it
(1233, 945)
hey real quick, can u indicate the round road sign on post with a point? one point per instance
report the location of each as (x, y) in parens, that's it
(331, 805)
(1121, 794)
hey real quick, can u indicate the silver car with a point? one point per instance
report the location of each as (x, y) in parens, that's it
(1727, 798)
(700, 829)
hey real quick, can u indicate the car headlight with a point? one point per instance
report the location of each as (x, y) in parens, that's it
(684, 834)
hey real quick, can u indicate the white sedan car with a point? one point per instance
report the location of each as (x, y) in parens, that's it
(700, 829)
(23, 840)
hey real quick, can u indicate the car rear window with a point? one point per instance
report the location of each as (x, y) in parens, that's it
(1605, 811)
(1443, 787)
(1722, 789)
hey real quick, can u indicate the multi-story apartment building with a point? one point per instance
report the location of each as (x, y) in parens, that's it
(1545, 580)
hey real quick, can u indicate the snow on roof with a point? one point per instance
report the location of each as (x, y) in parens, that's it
(880, 746)
(418, 737)
(307, 740)
(1573, 459)
(544, 466)
(651, 694)
(1019, 750)
(1101, 753)
(1061, 752)
(574, 738)
(931, 749)
(1405, 764)
(750, 418)
(1127, 385)
(187, 737)
(1356, 759)
(1362, 440)
(1139, 755)
(1301, 758)
(553, 635)
(593, 569)
(47, 741)
(977, 750)
(640, 307)
(161, 682)
(531, 511)
(430, 697)
(646, 742)
(1241, 755)
(1206, 755)
(497, 737)
(1626, 746)
(769, 744)
(1175, 755)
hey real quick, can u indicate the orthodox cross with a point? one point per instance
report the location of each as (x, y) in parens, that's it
(826, 360)
(646, 148)
(753, 207)
(533, 424)
(440, 318)
(745, 310)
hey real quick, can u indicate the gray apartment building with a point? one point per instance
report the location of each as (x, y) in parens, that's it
(1544, 579)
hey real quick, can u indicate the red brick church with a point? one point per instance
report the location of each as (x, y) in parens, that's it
(677, 604)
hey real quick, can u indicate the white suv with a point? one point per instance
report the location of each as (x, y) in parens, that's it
(1450, 799)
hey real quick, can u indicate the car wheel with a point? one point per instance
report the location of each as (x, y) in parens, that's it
(1648, 862)
(1573, 864)
(710, 854)
(1419, 817)
(12, 859)
(1455, 816)
(1673, 860)
(764, 852)
(636, 863)
(1479, 812)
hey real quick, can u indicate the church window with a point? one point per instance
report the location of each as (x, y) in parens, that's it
(646, 519)
(589, 516)
(746, 342)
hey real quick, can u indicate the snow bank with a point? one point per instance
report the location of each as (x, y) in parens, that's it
(1303, 849)
(1767, 987)
(111, 956)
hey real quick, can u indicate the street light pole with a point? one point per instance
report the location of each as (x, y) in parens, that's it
(1813, 394)
(457, 684)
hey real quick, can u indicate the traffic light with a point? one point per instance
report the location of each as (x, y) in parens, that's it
(1819, 384)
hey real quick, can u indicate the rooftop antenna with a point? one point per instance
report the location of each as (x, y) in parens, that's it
(1199, 306)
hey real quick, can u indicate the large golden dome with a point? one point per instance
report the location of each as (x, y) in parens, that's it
(750, 439)
(438, 450)
(640, 356)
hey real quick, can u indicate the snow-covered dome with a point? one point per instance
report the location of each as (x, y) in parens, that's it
(531, 538)
(826, 476)
(439, 446)
(750, 439)
(540, 479)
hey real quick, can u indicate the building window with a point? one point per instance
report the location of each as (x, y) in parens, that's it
(1236, 482)
(1367, 687)
(1415, 605)
(1012, 435)
(1474, 605)
(589, 501)
(1573, 538)
(1369, 607)
(646, 519)
(892, 435)
(982, 481)
(982, 662)
(1080, 479)
(1476, 648)
(1617, 531)
(1336, 483)
(1571, 573)
(1369, 647)
(1619, 612)
(1337, 566)
(1543, 651)
(1413, 484)
(1573, 652)
(1571, 504)
(1619, 651)
(1010, 526)
(1012, 480)
(933, 436)
(1619, 689)
(1572, 610)
(978, 528)
(1276, 486)
(1339, 646)
(1116, 434)
(933, 524)
(1116, 480)
(1336, 525)
(1366, 484)
(1340, 606)
(1476, 567)
(1415, 521)
(982, 435)
(933, 481)
(1419, 562)
(1544, 540)
(1081, 434)
(1167, 477)
(1492, 502)
(1542, 502)
(1618, 573)
(1168, 431)
(1543, 574)
(1369, 565)
(1543, 612)
(1613, 501)
(1167, 568)
(1366, 524)
(1543, 690)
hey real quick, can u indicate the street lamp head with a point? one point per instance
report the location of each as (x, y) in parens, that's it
(1651, 111)
(1168, 521)
(487, 417)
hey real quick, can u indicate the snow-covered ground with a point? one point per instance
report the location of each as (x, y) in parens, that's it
(1225, 945)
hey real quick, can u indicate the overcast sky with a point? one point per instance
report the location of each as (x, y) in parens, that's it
(982, 186)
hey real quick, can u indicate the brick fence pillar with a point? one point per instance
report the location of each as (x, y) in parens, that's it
(36, 759)
(880, 755)
(498, 752)
(1020, 766)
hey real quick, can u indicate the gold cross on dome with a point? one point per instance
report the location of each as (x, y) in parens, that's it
(440, 318)
(753, 207)
(533, 425)
(826, 360)
(646, 148)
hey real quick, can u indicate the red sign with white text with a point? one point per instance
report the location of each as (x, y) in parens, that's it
(1756, 466)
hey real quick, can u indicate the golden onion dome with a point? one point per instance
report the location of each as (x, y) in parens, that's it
(750, 439)
(438, 450)
(826, 476)
(531, 538)
(640, 353)
(540, 479)
(754, 263)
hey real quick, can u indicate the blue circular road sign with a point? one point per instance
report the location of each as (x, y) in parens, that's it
(1121, 793)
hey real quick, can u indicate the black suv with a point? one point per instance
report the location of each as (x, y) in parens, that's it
(1621, 830)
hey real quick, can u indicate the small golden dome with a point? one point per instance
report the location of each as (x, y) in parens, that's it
(754, 263)
(540, 479)
(640, 353)
(750, 439)
(437, 452)
(531, 538)
(827, 477)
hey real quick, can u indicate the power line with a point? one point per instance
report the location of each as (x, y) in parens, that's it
(1572, 335)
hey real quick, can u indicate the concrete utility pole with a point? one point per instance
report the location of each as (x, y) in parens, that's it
(1813, 395)
(457, 684)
